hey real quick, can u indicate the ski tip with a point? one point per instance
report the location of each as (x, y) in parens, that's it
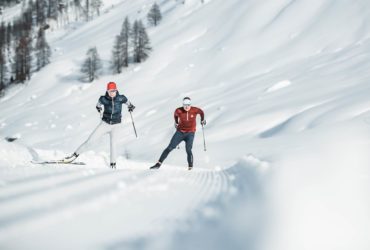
(10, 139)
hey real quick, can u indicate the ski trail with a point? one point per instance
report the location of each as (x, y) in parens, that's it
(47, 201)
(147, 201)
(34, 178)
(214, 188)
(12, 192)
(231, 208)
(31, 172)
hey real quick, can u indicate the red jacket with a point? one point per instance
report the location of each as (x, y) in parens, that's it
(186, 120)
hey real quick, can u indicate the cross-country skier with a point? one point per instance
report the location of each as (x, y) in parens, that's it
(112, 103)
(185, 123)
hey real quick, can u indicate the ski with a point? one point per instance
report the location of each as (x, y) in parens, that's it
(59, 162)
(10, 139)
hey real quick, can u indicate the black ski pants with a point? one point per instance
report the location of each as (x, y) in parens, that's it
(176, 139)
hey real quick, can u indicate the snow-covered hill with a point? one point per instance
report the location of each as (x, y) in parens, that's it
(284, 85)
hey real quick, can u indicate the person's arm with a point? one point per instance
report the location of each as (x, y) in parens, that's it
(176, 118)
(202, 120)
(99, 106)
(126, 101)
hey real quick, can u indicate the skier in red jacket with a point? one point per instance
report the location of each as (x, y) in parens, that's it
(185, 123)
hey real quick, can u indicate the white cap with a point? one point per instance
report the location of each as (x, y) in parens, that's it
(186, 101)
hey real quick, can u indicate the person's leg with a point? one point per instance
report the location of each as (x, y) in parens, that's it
(113, 143)
(176, 139)
(189, 139)
(100, 130)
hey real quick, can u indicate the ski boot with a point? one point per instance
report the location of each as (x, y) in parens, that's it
(156, 166)
(70, 158)
(190, 167)
(113, 165)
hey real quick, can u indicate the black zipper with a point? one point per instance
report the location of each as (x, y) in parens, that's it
(111, 116)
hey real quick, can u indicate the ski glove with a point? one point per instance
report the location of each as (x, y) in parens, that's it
(203, 122)
(99, 109)
(131, 107)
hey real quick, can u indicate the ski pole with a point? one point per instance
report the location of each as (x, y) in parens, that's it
(133, 124)
(204, 139)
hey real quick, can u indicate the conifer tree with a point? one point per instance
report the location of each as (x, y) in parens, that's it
(43, 51)
(52, 10)
(117, 58)
(92, 65)
(22, 59)
(96, 5)
(154, 15)
(120, 52)
(125, 41)
(141, 42)
(3, 69)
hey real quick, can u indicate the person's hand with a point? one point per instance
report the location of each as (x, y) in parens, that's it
(176, 125)
(99, 109)
(203, 122)
(131, 107)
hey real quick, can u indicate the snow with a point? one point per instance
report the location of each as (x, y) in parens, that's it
(8, 14)
(278, 86)
(284, 85)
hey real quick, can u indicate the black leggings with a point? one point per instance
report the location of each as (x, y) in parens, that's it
(176, 139)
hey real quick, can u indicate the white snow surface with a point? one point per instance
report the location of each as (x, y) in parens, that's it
(285, 88)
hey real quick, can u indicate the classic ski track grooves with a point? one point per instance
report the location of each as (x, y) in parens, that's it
(52, 184)
(36, 177)
(75, 191)
(71, 198)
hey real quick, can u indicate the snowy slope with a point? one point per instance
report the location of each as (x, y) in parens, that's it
(284, 85)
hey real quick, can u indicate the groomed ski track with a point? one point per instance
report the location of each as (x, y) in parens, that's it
(55, 203)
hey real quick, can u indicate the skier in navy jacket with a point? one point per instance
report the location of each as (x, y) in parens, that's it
(112, 103)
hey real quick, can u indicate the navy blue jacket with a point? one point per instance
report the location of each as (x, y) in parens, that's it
(112, 107)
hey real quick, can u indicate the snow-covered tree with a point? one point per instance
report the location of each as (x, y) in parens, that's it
(117, 58)
(120, 52)
(43, 51)
(40, 11)
(125, 42)
(96, 5)
(154, 15)
(3, 54)
(78, 10)
(87, 9)
(9, 35)
(141, 42)
(22, 59)
(3, 69)
(92, 65)
(52, 11)
(3, 34)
